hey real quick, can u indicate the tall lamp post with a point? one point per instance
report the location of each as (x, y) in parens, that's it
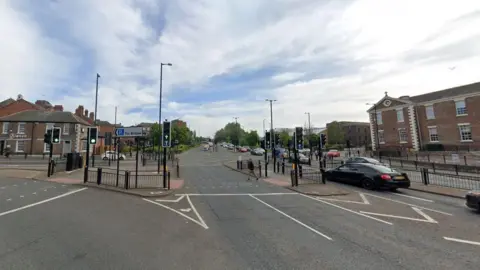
(271, 128)
(95, 119)
(309, 134)
(238, 131)
(160, 113)
(376, 124)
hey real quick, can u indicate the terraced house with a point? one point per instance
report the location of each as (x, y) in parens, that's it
(443, 120)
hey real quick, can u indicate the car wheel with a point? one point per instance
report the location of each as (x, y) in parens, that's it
(368, 183)
(393, 189)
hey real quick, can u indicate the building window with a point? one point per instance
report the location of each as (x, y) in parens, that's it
(46, 147)
(381, 136)
(20, 146)
(430, 112)
(400, 115)
(21, 128)
(465, 132)
(84, 145)
(461, 107)
(432, 131)
(5, 128)
(402, 133)
(379, 118)
(66, 128)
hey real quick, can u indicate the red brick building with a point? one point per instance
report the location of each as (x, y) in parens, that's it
(443, 120)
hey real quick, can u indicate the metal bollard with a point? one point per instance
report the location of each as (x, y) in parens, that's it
(238, 165)
(85, 175)
(99, 176)
(259, 169)
(278, 166)
(178, 171)
(283, 167)
(322, 171)
(26, 155)
(292, 177)
(127, 179)
(300, 171)
(168, 180)
(241, 165)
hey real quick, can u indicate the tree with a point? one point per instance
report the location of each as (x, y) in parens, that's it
(251, 138)
(180, 133)
(156, 132)
(232, 132)
(335, 134)
(313, 140)
(284, 137)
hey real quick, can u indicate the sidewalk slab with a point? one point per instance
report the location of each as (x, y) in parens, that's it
(438, 190)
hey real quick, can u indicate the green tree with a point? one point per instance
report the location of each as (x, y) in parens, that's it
(251, 138)
(313, 140)
(155, 132)
(284, 137)
(335, 134)
(232, 132)
(180, 133)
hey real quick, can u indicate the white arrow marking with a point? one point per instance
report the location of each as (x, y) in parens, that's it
(199, 221)
(362, 196)
(409, 204)
(427, 219)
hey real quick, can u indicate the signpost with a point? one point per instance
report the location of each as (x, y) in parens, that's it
(130, 132)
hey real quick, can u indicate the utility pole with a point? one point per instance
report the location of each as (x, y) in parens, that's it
(238, 135)
(95, 119)
(272, 137)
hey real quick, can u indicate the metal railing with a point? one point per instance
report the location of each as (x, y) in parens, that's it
(126, 179)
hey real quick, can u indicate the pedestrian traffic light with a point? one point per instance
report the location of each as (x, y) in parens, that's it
(267, 140)
(167, 134)
(299, 137)
(56, 135)
(323, 140)
(93, 135)
(47, 138)
(348, 144)
(277, 139)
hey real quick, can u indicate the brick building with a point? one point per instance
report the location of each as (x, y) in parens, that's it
(357, 132)
(443, 120)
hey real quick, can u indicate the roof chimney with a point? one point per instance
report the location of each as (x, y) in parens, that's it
(91, 116)
(58, 108)
(86, 113)
(404, 97)
(20, 96)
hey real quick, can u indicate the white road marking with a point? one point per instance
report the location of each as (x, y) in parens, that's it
(427, 218)
(176, 200)
(413, 197)
(186, 210)
(196, 212)
(44, 190)
(346, 209)
(156, 192)
(15, 185)
(237, 194)
(178, 212)
(21, 196)
(462, 241)
(2, 187)
(41, 202)
(34, 193)
(9, 199)
(294, 219)
(410, 204)
(362, 196)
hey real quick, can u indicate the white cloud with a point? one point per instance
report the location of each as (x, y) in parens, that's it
(346, 52)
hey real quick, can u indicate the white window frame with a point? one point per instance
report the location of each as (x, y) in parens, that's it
(16, 146)
(381, 137)
(402, 131)
(433, 136)
(5, 127)
(66, 129)
(462, 125)
(461, 111)
(21, 124)
(400, 116)
(430, 109)
(379, 119)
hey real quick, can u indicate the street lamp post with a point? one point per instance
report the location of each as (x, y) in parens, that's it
(309, 134)
(95, 119)
(272, 136)
(238, 135)
(376, 124)
(160, 113)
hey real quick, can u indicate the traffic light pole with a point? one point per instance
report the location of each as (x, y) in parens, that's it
(164, 167)
(87, 161)
(295, 156)
(50, 157)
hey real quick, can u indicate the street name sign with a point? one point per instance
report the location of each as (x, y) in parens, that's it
(130, 132)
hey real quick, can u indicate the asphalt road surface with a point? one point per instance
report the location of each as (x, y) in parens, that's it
(219, 220)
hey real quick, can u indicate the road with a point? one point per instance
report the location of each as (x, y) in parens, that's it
(221, 221)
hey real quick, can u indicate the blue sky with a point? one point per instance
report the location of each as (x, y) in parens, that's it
(324, 57)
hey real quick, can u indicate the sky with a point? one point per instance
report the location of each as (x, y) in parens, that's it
(327, 58)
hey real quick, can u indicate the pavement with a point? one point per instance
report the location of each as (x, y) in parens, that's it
(220, 220)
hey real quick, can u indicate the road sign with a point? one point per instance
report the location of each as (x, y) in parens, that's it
(130, 132)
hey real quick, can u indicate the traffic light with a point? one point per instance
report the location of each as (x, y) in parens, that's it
(299, 135)
(56, 135)
(262, 143)
(167, 134)
(93, 135)
(277, 139)
(348, 144)
(323, 140)
(267, 140)
(47, 138)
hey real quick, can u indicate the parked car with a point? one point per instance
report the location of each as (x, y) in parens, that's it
(112, 155)
(243, 149)
(473, 200)
(333, 153)
(257, 152)
(369, 176)
(301, 157)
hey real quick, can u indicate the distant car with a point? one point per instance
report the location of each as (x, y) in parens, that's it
(473, 200)
(301, 157)
(112, 155)
(369, 176)
(257, 152)
(333, 153)
(243, 149)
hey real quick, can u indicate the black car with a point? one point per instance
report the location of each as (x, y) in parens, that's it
(473, 199)
(369, 176)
